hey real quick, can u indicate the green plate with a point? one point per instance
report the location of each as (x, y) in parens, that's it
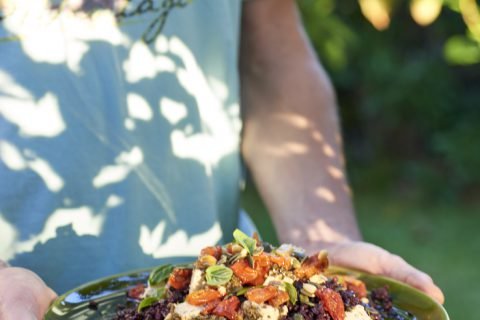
(110, 292)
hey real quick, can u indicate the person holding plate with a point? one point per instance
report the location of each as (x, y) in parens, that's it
(122, 131)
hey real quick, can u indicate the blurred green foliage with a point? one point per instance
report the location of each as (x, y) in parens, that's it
(409, 97)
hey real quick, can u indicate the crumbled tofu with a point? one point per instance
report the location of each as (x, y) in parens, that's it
(252, 310)
(357, 313)
(309, 289)
(285, 249)
(283, 312)
(222, 290)
(288, 249)
(198, 280)
(272, 280)
(318, 279)
(149, 292)
(288, 280)
(186, 311)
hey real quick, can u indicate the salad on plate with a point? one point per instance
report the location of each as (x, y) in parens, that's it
(248, 279)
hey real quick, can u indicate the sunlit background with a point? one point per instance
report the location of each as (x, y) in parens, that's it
(407, 75)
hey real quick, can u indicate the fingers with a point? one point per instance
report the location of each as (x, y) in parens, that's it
(370, 258)
(397, 268)
(23, 295)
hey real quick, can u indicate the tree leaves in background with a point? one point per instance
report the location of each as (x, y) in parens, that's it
(409, 95)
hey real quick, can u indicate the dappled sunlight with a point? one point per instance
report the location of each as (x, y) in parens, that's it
(82, 220)
(173, 111)
(116, 173)
(59, 37)
(317, 136)
(295, 148)
(142, 63)
(46, 111)
(16, 160)
(328, 151)
(294, 120)
(218, 88)
(335, 172)
(319, 230)
(325, 194)
(218, 138)
(287, 149)
(11, 156)
(179, 243)
(40, 166)
(138, 107)
(18, 106)
(113, 115)
(8, 236)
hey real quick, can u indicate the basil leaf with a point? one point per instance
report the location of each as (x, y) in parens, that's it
(245, 241)
(147, 302)
(160, 293)
(292, 292)
(218, 275)
(160, 275)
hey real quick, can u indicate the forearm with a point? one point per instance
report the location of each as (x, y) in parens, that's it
(291, 139)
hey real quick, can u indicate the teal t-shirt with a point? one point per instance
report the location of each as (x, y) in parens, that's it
(119, 133)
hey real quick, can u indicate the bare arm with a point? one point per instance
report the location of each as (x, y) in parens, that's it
(292, 144)
(291, 128)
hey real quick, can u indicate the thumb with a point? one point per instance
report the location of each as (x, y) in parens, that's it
(23, 295)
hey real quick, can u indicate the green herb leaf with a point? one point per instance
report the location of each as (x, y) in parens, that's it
(292, 292)
(184, 266)
(245, 241)
(159, 276)
(242, 291)
(304, 299)
(218, 275)
(160, 293)
(147, 302)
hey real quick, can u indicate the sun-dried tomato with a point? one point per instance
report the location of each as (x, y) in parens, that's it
(311, 266)
(202, 297)
(332, 302)
(261, 295)
(180, 278)
(210, 306)
(213, 251)
(283, 262)
(280, 298)
(228, 308)
(262, 261)
(262, 265)
(356, 286)
(137, 291)
(244, 272)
